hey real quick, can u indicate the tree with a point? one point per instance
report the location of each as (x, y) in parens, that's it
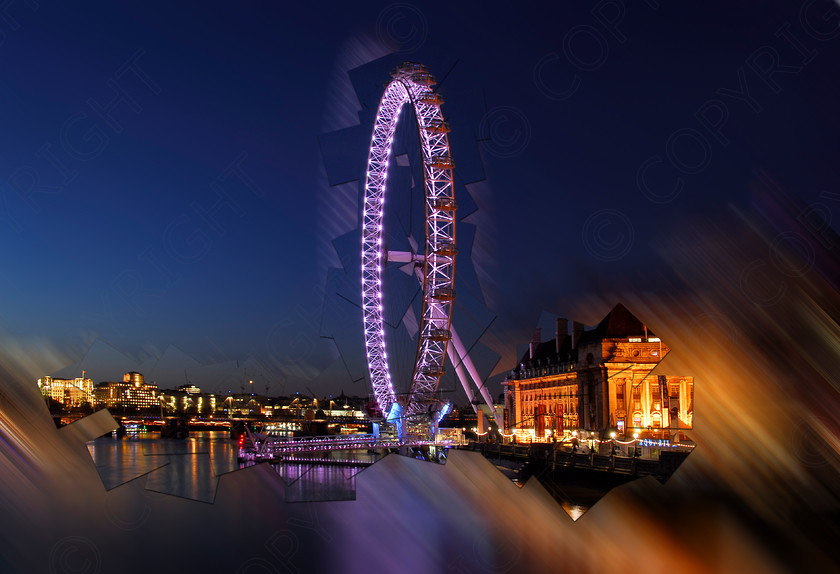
(56, 407)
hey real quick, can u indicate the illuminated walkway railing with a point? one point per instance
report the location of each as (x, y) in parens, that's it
(272, 447)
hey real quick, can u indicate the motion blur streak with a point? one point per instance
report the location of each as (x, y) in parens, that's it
(338, 205)
(41, 474)
(766, 379)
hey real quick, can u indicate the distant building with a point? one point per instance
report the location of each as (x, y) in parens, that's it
(205, 403)
(69, 392)
(598, 381)
(190, 389)
(133, 391)
(241, 404)
(133, 377)
(188, 399)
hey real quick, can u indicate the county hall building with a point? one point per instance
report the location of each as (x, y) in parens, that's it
(598, 382)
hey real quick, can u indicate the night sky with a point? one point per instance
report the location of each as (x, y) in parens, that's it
(179, 195)
(174, 180)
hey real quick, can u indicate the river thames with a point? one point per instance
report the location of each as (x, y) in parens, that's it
(190, 468)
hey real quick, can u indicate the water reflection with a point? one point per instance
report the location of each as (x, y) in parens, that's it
(577, 481)
(574, 510)
(428, 453)
(323, 476)
(187, 468)
(190, 468)
(315, 482)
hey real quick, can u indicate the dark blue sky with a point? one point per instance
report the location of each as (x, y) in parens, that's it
(196, 210)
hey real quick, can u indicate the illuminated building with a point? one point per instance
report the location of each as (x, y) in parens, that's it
(69, 392)
(133, 377)
(205, 403)
(132, 392)
(598, 381)
(187, 399)
(241, 404)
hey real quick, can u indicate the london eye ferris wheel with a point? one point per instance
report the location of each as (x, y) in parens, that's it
(435, 267)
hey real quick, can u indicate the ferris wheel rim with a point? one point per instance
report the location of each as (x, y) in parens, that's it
(411, 84)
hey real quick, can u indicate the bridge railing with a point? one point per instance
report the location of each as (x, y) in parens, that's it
(264, 448)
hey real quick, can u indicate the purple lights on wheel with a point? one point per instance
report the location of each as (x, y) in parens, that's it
(411, 84)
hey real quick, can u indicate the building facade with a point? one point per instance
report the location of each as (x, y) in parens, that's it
(599, 382)
(69, 392)
(132, 392)
(188, 399)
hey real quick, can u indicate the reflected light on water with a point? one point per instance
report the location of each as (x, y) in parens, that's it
(187, 468)
(575, 511)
